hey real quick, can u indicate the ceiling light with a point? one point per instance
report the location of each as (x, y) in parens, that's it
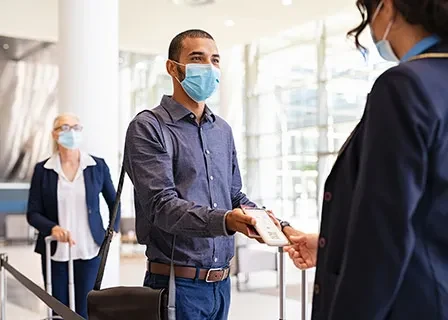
(286, 2)
(193, 3)
(229, 23)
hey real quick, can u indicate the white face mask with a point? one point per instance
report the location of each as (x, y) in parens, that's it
(383, 46)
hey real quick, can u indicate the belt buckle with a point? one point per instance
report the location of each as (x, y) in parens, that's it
(207, 277)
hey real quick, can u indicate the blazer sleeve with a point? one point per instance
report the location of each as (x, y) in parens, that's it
(110, 194)
(35, 211)
(397, 134)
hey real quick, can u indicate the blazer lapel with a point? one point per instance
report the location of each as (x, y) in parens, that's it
(355, 131)
(347, 142)
(53, 189)
(88, 183)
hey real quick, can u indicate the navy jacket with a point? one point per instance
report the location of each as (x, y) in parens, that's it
(42, 211)
(383, 247)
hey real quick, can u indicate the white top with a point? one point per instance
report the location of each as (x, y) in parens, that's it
(72, 210)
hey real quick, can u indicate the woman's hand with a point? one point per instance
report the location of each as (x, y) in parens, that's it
(62, 235)
(303, 251)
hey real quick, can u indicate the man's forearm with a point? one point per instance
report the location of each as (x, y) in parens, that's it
(178, 216)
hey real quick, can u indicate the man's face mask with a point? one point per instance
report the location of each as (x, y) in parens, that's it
(200, 81)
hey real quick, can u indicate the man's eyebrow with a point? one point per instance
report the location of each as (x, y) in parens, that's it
(200, 53)
(196, 53)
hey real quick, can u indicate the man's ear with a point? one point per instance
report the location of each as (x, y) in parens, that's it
(171, 68)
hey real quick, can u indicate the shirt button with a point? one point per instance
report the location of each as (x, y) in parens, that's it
(316, 289)
(216, 259)
(211, 178)
(207, 151)
(90, 211)
(322, 242)
(327, 196)
(192, 116)
(215, 205)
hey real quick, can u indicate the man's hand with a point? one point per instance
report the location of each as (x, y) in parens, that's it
(237, 221)
(62, 235)
(303, 250)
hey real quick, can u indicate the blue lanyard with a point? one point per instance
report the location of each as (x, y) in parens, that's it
(421, 47)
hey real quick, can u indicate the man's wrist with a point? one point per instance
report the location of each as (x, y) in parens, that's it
(215, 226)
(227, 232)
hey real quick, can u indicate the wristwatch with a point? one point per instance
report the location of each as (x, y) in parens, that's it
(284, 224)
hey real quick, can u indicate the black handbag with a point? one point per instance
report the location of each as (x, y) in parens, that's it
(136, 303)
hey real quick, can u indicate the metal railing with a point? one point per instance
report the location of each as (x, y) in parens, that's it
(69, 314)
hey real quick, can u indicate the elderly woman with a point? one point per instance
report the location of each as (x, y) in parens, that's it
(64, 202)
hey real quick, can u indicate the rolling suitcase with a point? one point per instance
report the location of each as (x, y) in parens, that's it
(282, 286)
(71, 286)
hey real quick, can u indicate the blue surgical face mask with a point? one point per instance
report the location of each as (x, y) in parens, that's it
(383, 46)
(201, 80)
(70, 139)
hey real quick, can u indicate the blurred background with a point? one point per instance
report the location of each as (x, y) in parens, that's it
(293, 88)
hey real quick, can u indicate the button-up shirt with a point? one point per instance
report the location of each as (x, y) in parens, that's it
(186, 193)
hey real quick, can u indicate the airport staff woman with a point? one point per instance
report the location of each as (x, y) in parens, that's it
(383, 243)
(64, 202)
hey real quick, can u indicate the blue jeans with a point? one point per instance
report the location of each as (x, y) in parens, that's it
(84, 273)
(196, 299)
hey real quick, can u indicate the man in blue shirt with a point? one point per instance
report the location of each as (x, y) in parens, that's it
(182, 161)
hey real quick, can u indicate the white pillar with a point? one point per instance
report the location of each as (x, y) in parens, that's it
(231, 92)
(88, 87)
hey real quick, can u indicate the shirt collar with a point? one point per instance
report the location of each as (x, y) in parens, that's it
(178, 111)
(421, 47)
(54, 162)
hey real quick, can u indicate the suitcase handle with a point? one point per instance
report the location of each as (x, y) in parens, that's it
(71, 289)
(282, 285)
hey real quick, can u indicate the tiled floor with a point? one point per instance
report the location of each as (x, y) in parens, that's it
(252, 304)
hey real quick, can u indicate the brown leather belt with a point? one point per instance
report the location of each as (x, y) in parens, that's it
(208, 275)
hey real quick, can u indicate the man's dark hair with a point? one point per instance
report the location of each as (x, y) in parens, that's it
(432, 15)
(176, 44)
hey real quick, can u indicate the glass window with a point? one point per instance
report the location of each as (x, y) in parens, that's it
(302, 119)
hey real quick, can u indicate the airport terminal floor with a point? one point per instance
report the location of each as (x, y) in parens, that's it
(261, 290)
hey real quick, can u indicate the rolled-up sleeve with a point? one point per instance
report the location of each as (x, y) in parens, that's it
(150, 169)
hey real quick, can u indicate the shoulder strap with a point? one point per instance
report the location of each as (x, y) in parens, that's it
(164, 130)
(104, 250)
(172, 282)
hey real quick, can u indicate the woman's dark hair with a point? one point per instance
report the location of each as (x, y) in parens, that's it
(432, 15)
